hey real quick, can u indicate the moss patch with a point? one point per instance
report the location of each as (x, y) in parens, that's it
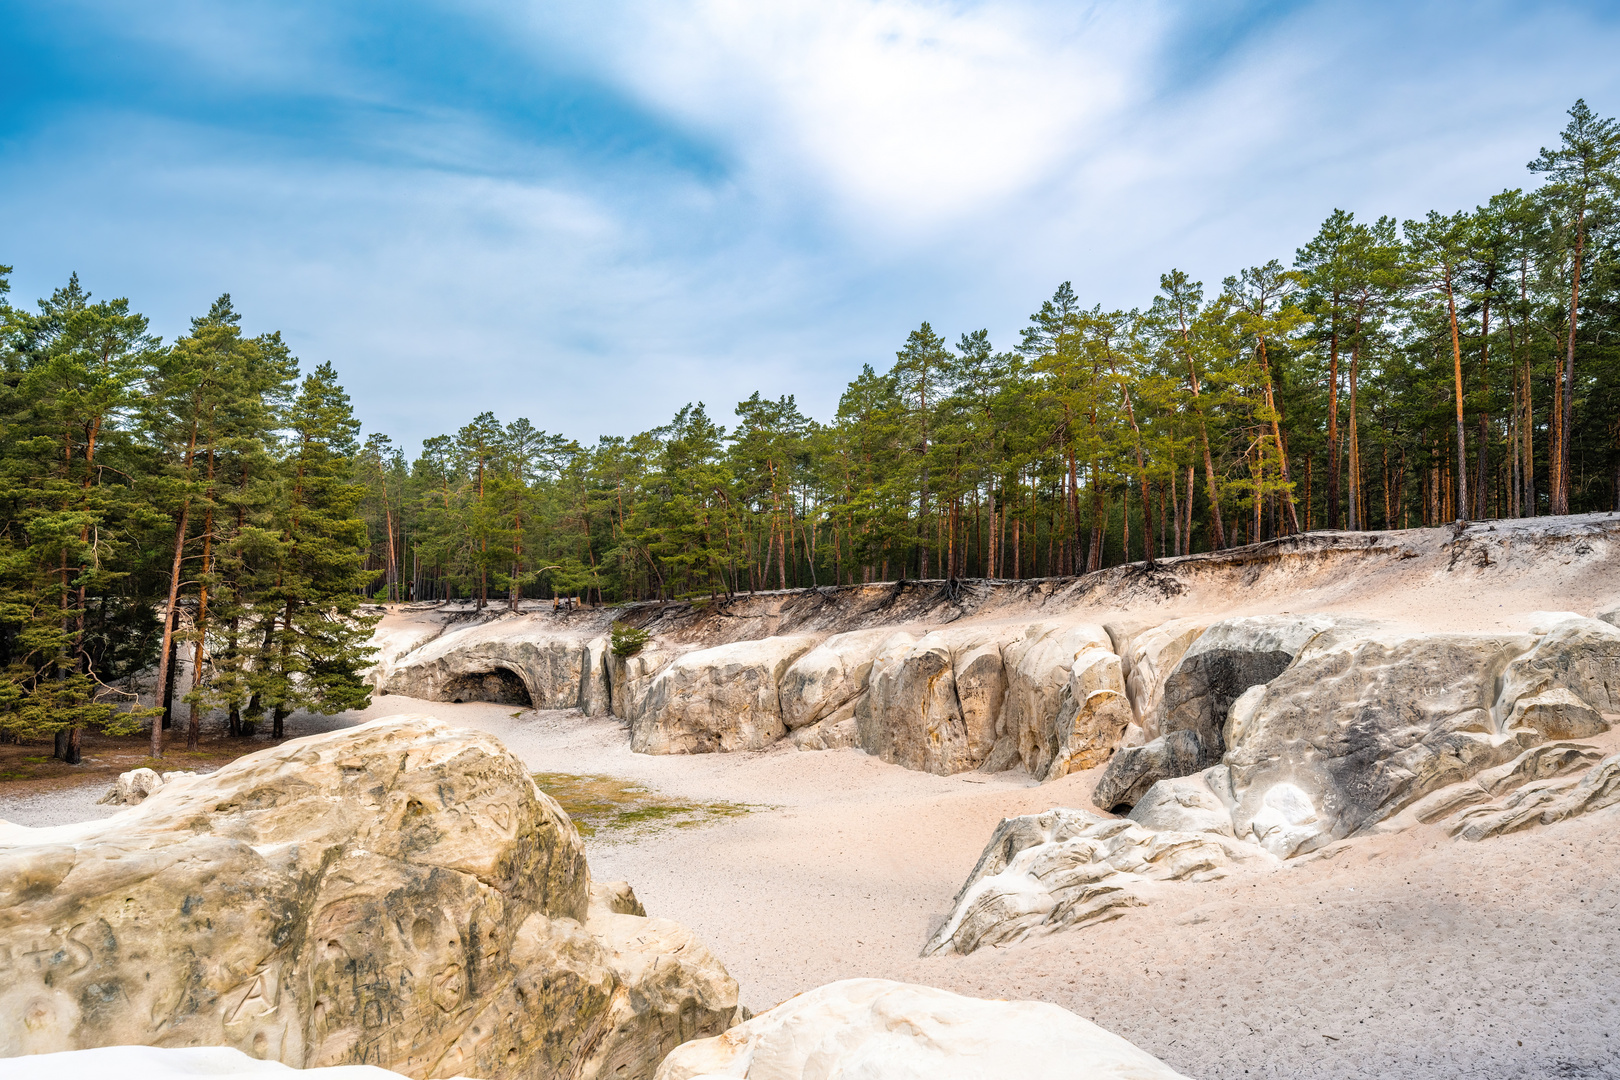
(607, 804)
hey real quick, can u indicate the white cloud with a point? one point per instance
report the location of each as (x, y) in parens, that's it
(905, 113)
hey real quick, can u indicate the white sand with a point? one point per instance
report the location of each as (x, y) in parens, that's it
(1396, 956)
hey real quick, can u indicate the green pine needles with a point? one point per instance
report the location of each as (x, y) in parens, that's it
(627, 640)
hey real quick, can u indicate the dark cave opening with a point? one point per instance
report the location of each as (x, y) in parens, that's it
(498, 687)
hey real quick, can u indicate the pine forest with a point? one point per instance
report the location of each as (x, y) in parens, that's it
(205, 506)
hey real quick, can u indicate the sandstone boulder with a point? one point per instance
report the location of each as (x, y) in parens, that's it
(981, 688)
(1070, 868)
(1355, 730)
(1543, 802)
(720, 699)
(1134, 770)
(874, 1028)
(595, 695)
(1195, 804)
(834, 733)
(398, 894)
(134, 786)
(1538, 763)
(630, 678)
(1229, 658)
(1093, 713)
(1149, 659)
(1574, 668)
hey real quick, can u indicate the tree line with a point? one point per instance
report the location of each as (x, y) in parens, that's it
(200, 496)
(1393, 374)
(191, 502)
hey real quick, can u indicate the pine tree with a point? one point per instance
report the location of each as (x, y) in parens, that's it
(314, 657)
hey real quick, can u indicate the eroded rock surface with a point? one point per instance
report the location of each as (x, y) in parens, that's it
(528, 660)
(897, 1031)
(932, 703)
(829, 677)
(1361, 728)
(1543, 802)
(1039, 662)
(1133, 771)
(1149, 659)
(724, 698)
(1093, 713)
(1070, 868)
(398, 894)
(1226, 660)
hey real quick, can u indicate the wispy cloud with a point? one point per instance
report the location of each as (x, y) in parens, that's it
(591, 213)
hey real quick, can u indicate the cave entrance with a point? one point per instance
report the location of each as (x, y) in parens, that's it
(498, 687)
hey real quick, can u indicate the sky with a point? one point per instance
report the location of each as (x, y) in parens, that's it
(589, 214)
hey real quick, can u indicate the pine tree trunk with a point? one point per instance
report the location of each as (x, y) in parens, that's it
(1483, 482)
(1566, 392)
(165, 676)
(1462, 448)
(194, 719)
(1355, 523)
(1276, 434)
(1175, 508)
(1333, 431)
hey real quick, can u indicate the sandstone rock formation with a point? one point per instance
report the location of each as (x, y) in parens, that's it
(1199, 803)
(1543, 802)
(1069, 868)
(1149, 659)
(1186, 702)
(398, 894)
(1039, 662)
(1542, 762)
(529, 660)
(1133, 771)
(946, 677)
(134, 786)
(630, 678)
(877, 1028)
(174, 1063)
(1361, 727)
(1093, 713)
(932, 702)
(1227, 659)
(828, 678)
(724, 698)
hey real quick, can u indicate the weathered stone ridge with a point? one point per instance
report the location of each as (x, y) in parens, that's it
(949, 676)
(1365, 727)
(397, 894)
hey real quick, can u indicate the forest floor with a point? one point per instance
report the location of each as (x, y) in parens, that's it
(29, 768)
(35, 786)
(1409, 955)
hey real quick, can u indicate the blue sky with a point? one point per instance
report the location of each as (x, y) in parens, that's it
(589, 214)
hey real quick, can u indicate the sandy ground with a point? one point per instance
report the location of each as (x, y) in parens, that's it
(1409, 955)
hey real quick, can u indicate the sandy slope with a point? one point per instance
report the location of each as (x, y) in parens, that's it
(1409, 955)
